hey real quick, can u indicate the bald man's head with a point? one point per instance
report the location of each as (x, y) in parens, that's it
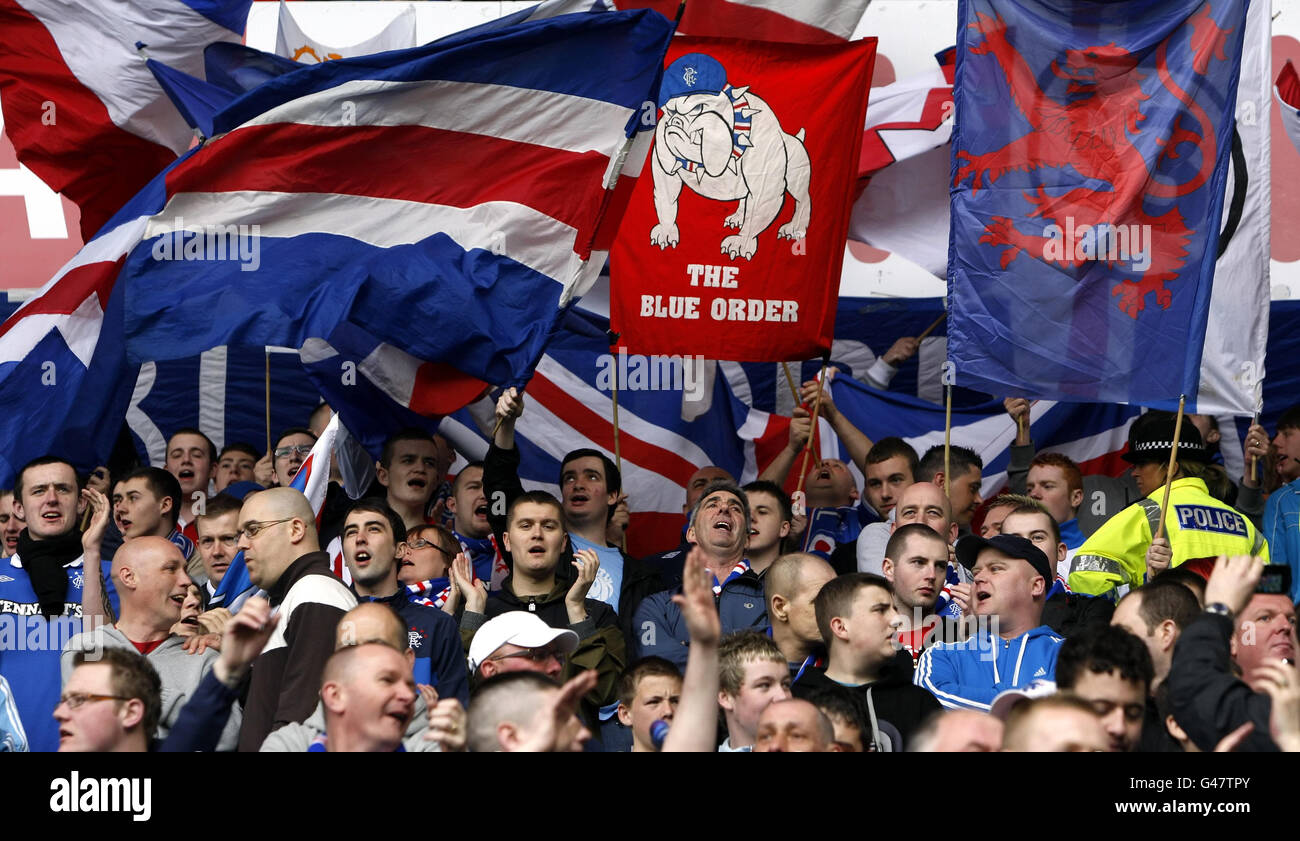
(275, 503)
(369, 697)
(926, 503)
(371, 622)
(792, 584)
(149, 573)
(793, 726)
(277, 527)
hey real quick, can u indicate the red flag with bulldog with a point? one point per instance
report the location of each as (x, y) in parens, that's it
(732, 243)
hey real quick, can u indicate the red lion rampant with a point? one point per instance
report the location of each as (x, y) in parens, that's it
(1091, 134)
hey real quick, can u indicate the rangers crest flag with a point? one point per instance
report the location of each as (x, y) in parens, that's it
(732, 244)
(1088, 172)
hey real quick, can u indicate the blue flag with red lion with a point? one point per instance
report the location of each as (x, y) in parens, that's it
(1088, 172)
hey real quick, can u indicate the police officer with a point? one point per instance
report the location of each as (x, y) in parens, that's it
(1197, 525)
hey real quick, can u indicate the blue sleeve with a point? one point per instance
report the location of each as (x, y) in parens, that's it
(659, 630)
(450, 666)
(937, 672)
(1282, 531)
(12, 736)
(199, 725)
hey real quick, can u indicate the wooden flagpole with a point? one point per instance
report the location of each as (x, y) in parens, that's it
(930, 329)
(618, 458)
(267, 357)
(794, 392)
(947, 441)
(812, 430)
(1173, 465)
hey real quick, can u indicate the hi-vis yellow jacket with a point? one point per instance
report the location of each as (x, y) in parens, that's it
(1197, 526)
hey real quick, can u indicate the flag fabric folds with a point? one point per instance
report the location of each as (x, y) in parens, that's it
(904, 203)
(446, 198)
(793, 21)
(1089, 164)
(398, 177)
(732, 246)
(293, 43)
(81, 108)
(1287, 91)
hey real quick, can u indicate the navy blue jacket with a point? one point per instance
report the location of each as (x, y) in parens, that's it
(658, 627)
(434, 636)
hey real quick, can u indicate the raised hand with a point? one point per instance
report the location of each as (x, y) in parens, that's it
(473, 590)
(588, 564)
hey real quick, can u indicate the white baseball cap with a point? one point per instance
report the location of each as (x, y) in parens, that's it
(1006, 700)
(519, 628)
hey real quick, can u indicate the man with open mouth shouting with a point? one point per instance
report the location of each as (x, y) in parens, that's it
(150, 577)
(720, 526)
(408, 468)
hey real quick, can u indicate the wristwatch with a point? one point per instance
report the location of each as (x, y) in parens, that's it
(1220, 609)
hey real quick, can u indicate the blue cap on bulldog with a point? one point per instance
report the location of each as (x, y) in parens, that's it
(692, 73)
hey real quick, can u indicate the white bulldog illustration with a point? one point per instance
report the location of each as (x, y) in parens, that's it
(725, 143)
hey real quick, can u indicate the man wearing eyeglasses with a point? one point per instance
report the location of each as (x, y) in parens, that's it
(281, 548)
(290, 452)
(374, 537)
(520, 642)
(87, 722)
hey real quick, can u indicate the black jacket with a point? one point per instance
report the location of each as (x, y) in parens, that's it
(501, 475)
(893, 697)
(600, 642)
(1070, 614)
(285, 683)
(1208, 700)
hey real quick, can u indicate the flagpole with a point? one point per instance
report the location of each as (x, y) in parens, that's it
(1254, 462)
(947, 442)
(618, 458)
(927, 331)
(812, 430)
(267, 357)
(1173, 465)
(794, 392)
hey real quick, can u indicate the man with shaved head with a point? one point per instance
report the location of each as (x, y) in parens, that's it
(790, 588)
(794, 726)
(926, 503)
(367, 624)
(958, 731)
(149, 574)
(277, 534)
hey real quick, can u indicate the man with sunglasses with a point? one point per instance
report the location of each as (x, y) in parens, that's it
(374, 537)
(520, 642)
(277, 534)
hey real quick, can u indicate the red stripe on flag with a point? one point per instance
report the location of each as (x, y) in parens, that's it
(599, 430)
(71, 292)
(441, 389)
(60, 128)
(1288, 85)
(410, 163)
(722, 19)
